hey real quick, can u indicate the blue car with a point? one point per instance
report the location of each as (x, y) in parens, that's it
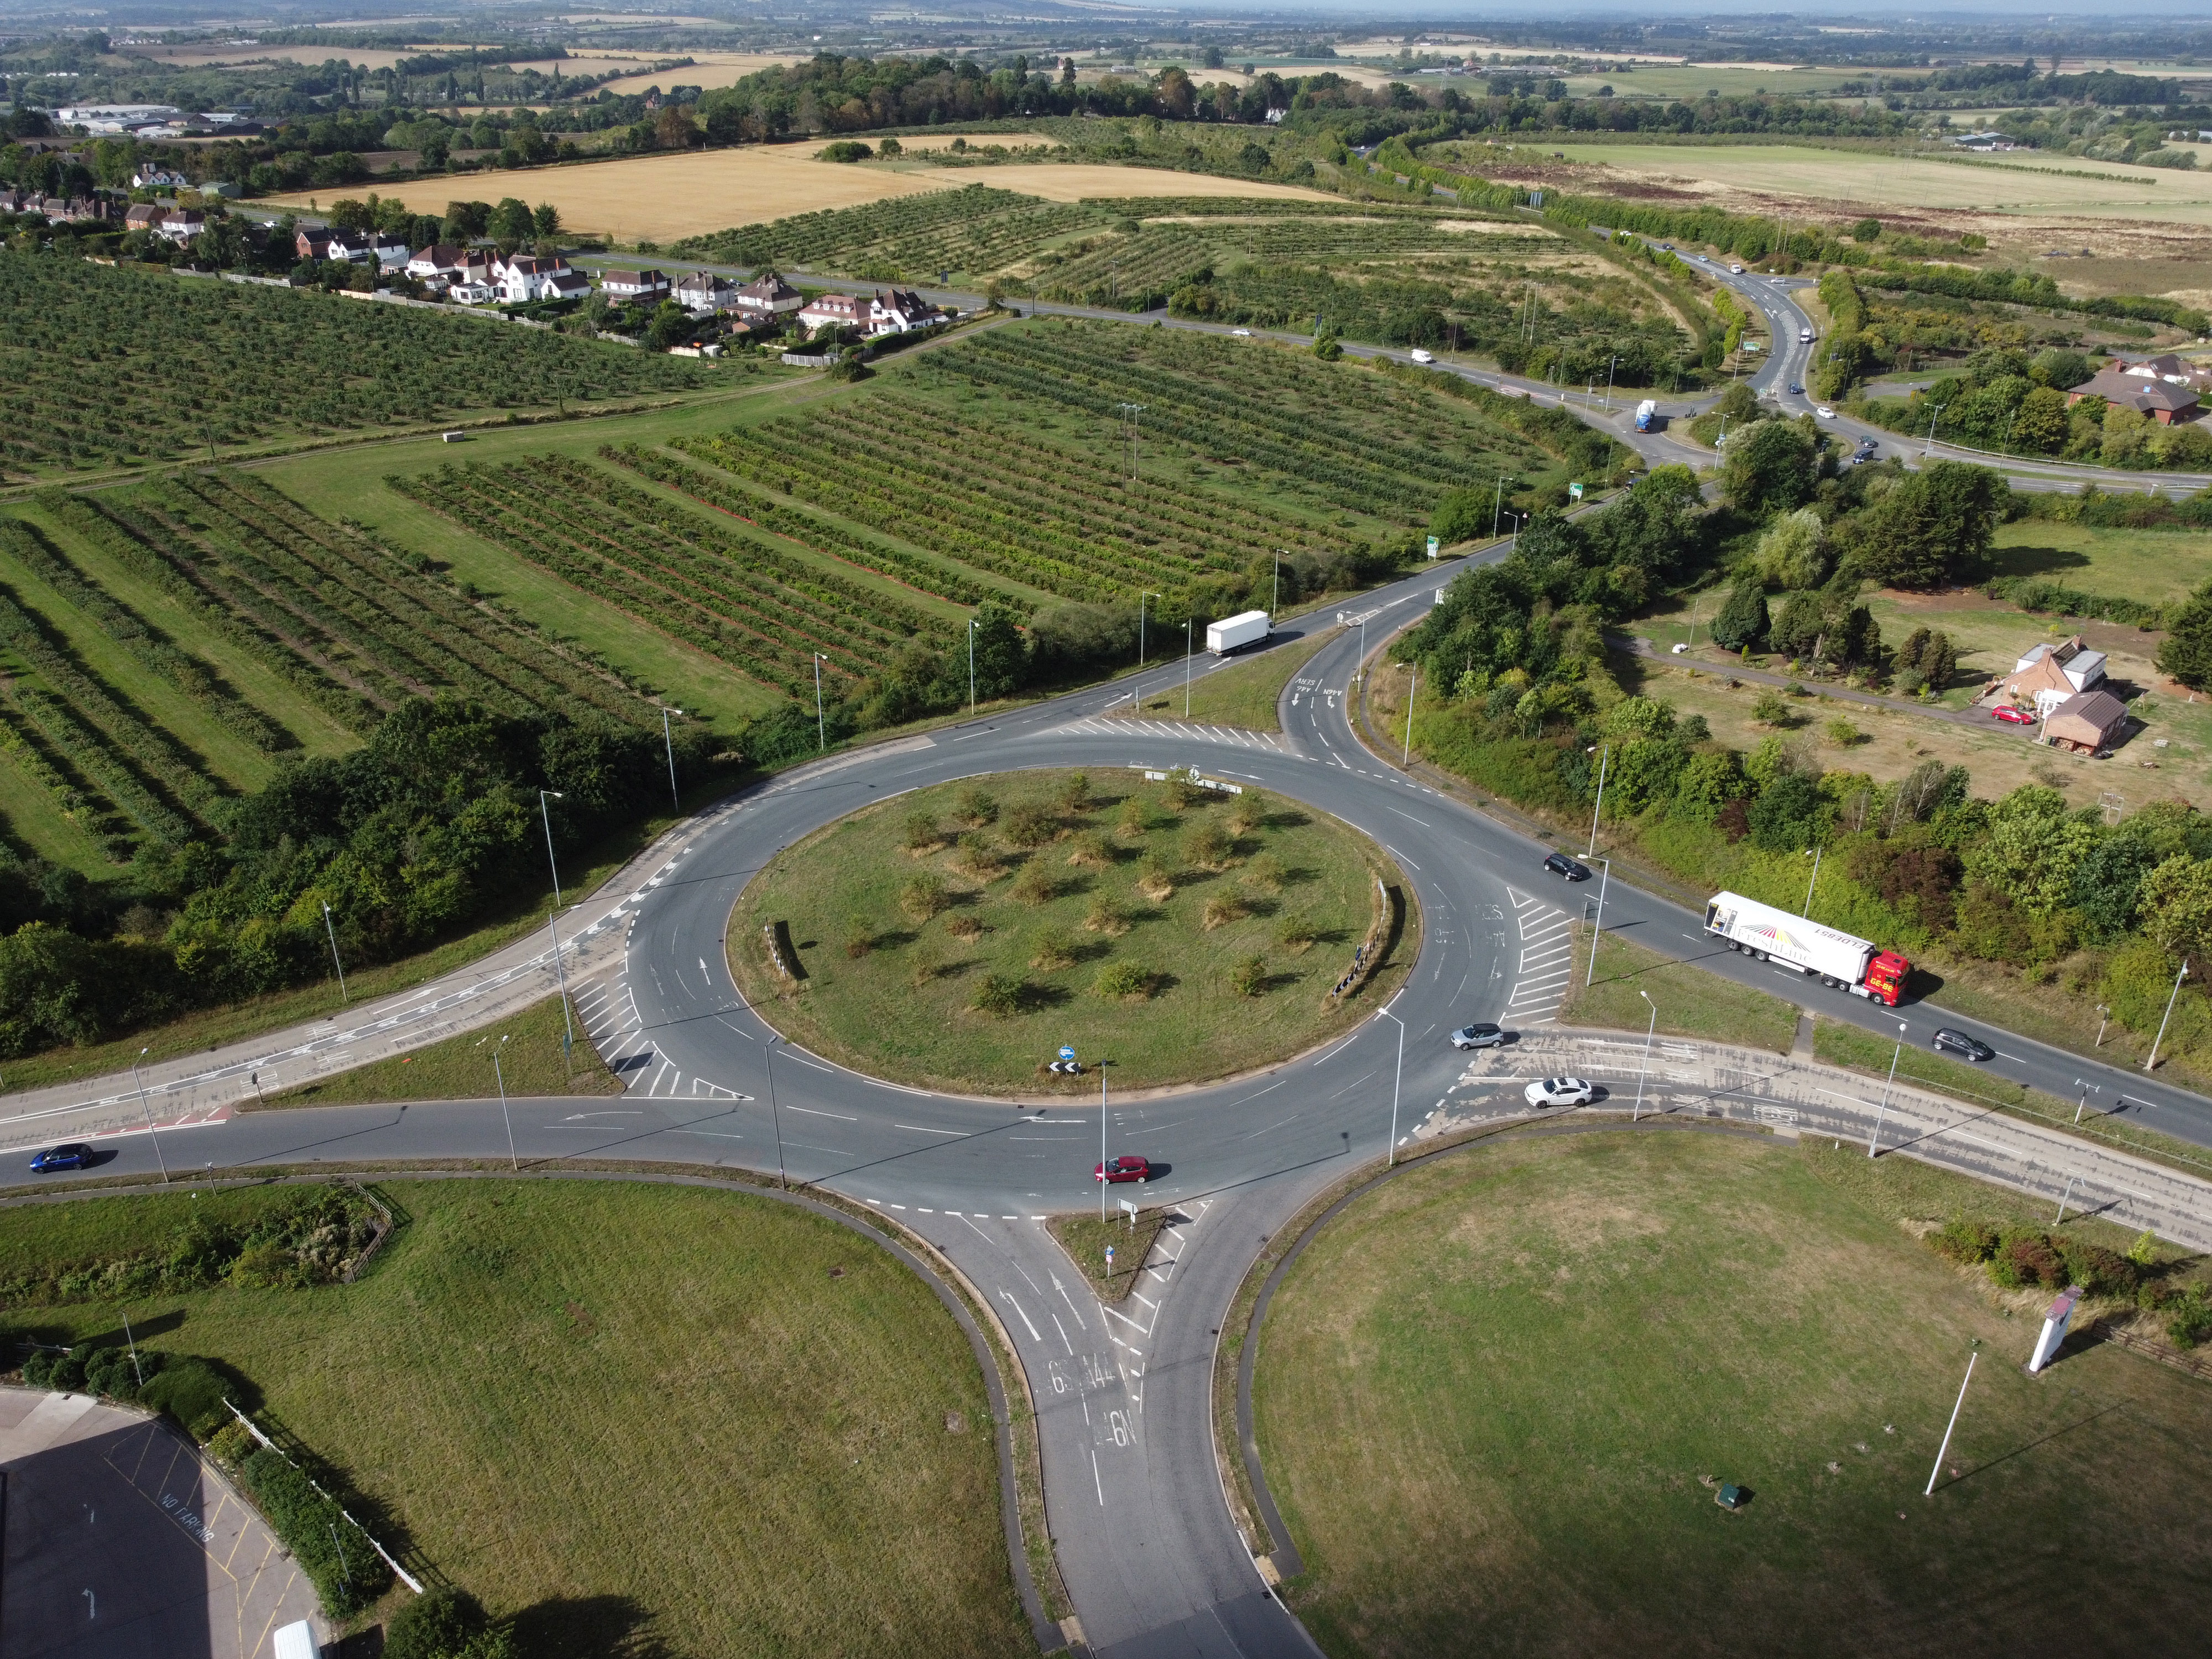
(62, 1157)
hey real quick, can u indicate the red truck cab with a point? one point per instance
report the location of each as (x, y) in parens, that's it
(1885, 976)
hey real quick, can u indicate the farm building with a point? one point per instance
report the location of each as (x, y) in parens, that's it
(2087, 722)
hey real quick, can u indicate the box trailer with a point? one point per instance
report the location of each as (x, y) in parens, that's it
(1234, 633)
(1843, 963)
(1646, 412)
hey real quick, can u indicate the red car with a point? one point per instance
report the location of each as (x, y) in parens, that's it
(1123, 1169)
(2012, 715)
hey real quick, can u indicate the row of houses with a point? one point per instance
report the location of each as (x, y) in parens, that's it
(480, 276)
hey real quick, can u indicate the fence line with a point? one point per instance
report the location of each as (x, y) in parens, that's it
(254, 1429)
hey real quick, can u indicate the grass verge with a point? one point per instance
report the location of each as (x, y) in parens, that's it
(460, 1067)
(1246, 695)
(1087, 1239)
(502, 1382)
(1490, 1394)
(1870, 1052)
(1692, 1003)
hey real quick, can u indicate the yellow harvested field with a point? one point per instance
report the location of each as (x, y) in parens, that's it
(1073, 181)
(714, 69)
(2019, 184)
(661, 197)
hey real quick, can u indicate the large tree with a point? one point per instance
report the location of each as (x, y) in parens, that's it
(2186, 652)
(1771, 467)
(1933, 528)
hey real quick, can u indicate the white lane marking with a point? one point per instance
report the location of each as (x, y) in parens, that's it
(920, 1130)
(1410, 818)
(1063, 1330)
(1095, 1481)
(1400, 856)
(1007, 1296)
(811, 1112)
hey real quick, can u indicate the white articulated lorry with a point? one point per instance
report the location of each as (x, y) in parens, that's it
(1234, 633)
(1843, 963)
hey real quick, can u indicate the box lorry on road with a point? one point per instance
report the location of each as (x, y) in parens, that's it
(1233, 633)
(1843, 963)
(1646, 412)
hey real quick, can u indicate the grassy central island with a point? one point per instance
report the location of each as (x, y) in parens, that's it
(1490, 1396)
(959, 936)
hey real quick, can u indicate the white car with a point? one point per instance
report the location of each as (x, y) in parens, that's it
(1241, 333)
(1735, 270)
(1559, 1091)
(1420, 356)
(1825, 412)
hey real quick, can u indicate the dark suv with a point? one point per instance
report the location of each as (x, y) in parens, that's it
(1560, 865)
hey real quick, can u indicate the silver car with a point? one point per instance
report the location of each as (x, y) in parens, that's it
(1480, 1035)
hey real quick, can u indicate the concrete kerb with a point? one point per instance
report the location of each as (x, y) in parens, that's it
(949, 1286)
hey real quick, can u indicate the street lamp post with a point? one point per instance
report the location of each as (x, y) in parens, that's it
(1397, 1080)
(1597, 932)
(668, 742)
(2103, 1018)
(1186, 666)
(974, 623)
(1413, 690)
(1141, 598)
(1637, 1112)
(546, 814)
(1497, 502)
(1604, 755)
(1610, 368)
(2152, 1063)
(1875, 1139)
(331, 934)
(774, 1118)
(1814, 852)
(1928, 447)
(149, 1111)
(505, 1116)
(1101, 1141)
(1275, 598)
(821, 724)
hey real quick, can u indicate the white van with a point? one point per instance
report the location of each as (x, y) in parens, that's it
(1421, 356)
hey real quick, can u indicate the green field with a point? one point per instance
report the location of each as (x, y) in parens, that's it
(1229, 932)
(2144, 565)
(1489, 1394)
(1243, 695)
(1691, 1002)
(531, 1060)
(510, 1383)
